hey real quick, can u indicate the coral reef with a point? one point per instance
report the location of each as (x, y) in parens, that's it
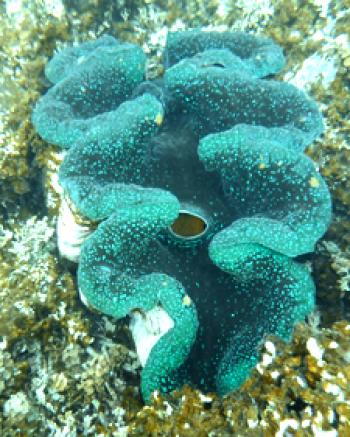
(27, 246)
(282, 209)
(23, 56)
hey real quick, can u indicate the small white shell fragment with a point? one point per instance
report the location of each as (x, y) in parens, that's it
(319, 432)
(205, 398)
(314, 348)
(270, 347)
(275, 374)
(70, 235)
(17, 405)
(333, 345)
(284, 425)
(252, 423)
(301, 382)
(147, 328)
(333, 389)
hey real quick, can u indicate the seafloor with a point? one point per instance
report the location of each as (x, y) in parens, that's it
(66, 371)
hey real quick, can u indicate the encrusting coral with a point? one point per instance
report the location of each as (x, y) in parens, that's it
(210, 247)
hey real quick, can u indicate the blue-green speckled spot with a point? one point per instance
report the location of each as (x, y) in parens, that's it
(117, 274)
(218, 95)
(105, 77)
(261, 56)
(101, 169)
(279, 198)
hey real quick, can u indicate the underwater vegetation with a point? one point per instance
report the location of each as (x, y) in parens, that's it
(200, 195)
(308, 374)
